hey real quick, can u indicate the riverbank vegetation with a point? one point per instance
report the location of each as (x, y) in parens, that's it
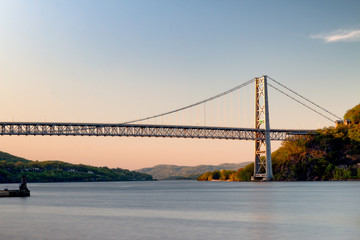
(11, 169)
(242, 174)
(332, 153)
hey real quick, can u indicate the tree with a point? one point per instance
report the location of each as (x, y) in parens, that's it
(205, 177)
(244, 174)
(225, 174)
(353, 114)
(215, 175)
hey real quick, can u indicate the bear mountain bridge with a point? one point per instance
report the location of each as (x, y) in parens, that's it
(262, 134)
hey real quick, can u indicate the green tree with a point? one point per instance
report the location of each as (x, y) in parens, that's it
(353, 114)
(225, 174)
(245, 174)
(205, 177)
(354, 132)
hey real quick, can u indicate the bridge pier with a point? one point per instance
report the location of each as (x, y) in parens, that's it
(263, 163)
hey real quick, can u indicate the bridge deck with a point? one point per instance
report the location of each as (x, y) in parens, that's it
(139, 130)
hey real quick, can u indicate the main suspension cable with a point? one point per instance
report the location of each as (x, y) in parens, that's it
(300, 102)
(305, 98)
(193, 105)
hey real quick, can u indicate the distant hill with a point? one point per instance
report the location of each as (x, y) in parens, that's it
(174, 172)
(12, 167)
(11, 158)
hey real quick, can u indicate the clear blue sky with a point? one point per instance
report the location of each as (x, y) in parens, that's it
(113, 61)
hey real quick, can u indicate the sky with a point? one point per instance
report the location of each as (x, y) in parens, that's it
(115, 61)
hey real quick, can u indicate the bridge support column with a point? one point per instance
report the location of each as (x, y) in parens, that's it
(263, 164)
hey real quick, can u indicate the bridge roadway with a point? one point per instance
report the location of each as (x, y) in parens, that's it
(141, 130)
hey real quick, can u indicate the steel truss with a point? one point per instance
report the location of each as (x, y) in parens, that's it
(137, 130)
(263, 163)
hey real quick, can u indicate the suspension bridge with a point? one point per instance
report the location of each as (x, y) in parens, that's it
(262, 134)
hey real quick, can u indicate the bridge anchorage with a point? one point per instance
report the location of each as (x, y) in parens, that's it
(261, 134)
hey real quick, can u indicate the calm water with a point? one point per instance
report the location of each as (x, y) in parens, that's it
(183, 210)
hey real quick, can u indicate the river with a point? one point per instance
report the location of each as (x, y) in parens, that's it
(180, 210)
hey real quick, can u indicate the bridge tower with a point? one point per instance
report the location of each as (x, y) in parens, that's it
(263, 164)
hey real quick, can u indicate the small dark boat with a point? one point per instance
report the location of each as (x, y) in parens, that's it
(22, 192)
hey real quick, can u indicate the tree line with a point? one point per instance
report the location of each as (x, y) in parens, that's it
(242, 174)
(57, 171)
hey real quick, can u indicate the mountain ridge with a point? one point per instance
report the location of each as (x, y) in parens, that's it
(174, 172)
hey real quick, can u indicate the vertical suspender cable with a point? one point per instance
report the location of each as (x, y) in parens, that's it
(204, 114)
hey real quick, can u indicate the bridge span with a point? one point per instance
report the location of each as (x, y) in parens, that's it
(145, 130)
(261, 134)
